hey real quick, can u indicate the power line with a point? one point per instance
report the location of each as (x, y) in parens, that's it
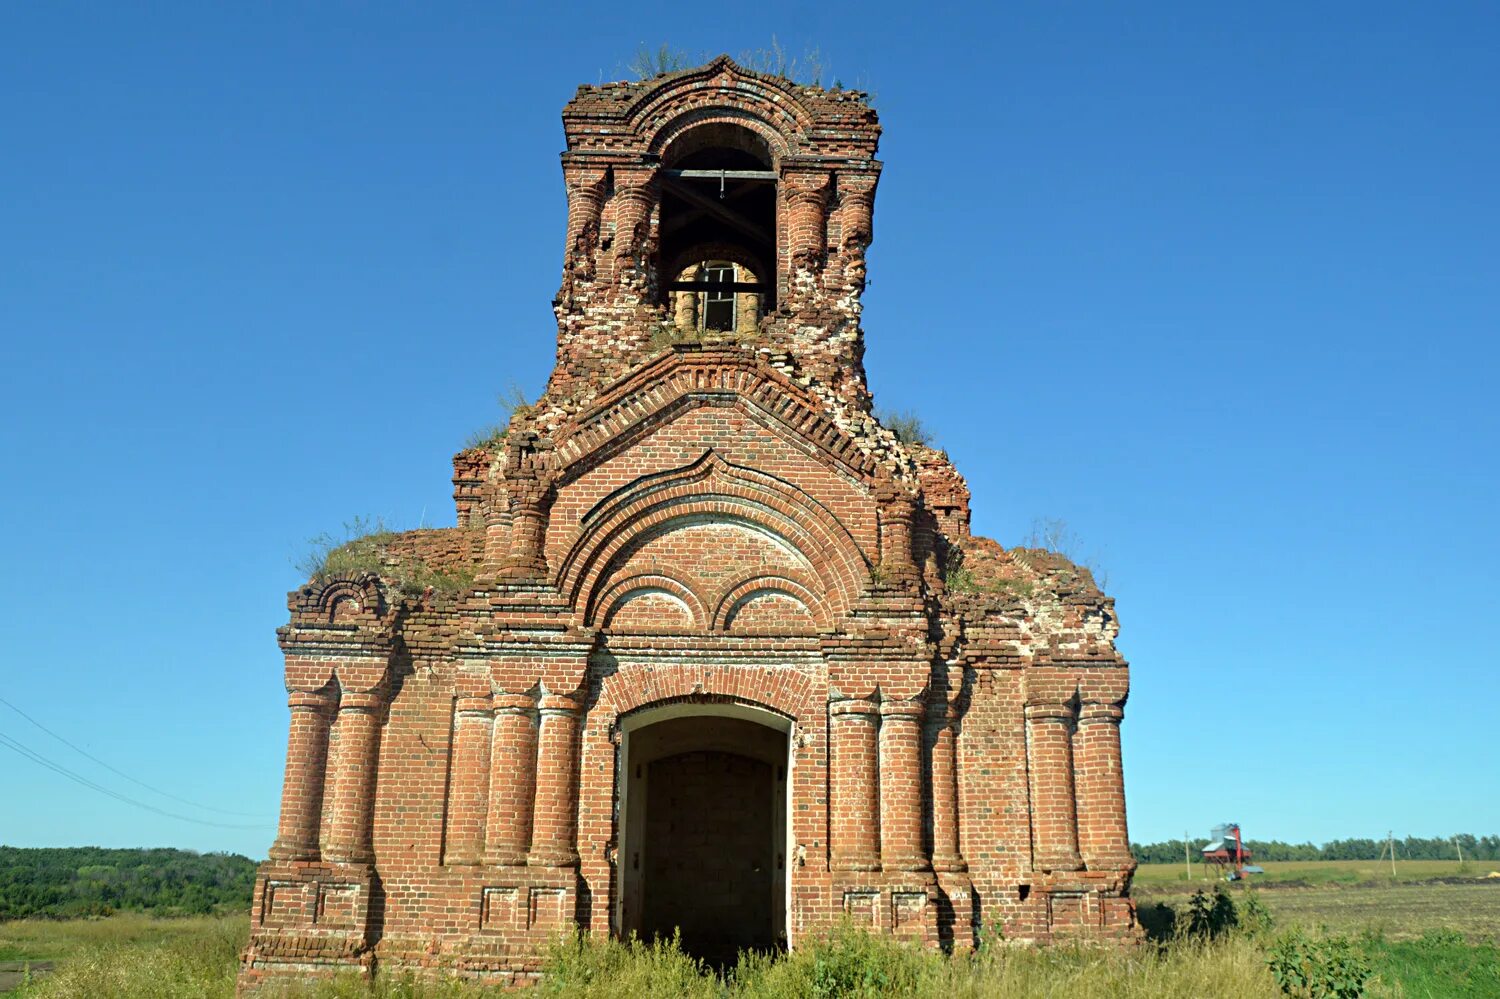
(58, 768)
(83, 752)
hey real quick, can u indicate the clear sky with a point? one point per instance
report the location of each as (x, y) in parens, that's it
(1219, 287)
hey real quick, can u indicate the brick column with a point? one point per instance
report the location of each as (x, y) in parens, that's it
(352, 810)
(585, 202)
(685, 305)
(901, 786)
(528, 529)
(513, 763)
(806, 194)
(302, 788)
(468, 798)
(636, 195)
(555, 821)
(854, 810)
(1049, 739)
(897, 560)
(1102, 833)
(945, 849)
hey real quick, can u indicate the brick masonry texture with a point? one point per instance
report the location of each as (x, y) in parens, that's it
(719, 649)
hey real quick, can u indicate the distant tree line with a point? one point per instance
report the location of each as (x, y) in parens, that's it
(1409, 848)
(67, 882)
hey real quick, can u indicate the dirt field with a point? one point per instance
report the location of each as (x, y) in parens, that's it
(1323, 872)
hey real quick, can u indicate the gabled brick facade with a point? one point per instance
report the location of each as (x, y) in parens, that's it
(708, 638)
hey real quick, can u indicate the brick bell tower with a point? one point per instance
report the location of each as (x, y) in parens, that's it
(709, 647)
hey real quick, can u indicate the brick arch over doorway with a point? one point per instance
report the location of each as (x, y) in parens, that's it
(784, 692)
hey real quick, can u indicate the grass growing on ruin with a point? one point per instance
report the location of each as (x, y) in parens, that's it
(363, 548)
(489, 438)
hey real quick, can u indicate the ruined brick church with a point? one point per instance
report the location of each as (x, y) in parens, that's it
(709, 646)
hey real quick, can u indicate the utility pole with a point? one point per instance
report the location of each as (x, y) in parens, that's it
(1187, 858)
(1460, 847)
(1390, 841)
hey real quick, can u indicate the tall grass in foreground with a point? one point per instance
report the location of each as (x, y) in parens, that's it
(1210, 948)
(847, 962)
(852, 963)
(177, 961)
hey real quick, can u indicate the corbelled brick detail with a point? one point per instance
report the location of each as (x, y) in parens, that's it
(698, 569)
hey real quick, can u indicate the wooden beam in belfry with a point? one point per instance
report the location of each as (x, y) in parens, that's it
(687, 218)
(758, 176)
(724, 214)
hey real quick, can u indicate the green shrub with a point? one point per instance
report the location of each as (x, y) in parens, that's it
(1256, 920)
(1327, 968)
(1211, 916)
(1436, 939)
(906, 425)
(1158, 919)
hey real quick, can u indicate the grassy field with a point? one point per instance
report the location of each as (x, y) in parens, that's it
(1356, 896)
(1316, 872)
(189, 951)
(1420, 938)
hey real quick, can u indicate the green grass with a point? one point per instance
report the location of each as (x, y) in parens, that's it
(1438, 965)
(1351, 896)
(130, 955)
(1419, 940)
(56, 939)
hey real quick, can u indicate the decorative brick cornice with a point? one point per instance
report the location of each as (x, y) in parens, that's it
(645, 395)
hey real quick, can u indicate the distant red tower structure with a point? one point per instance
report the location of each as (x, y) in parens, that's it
(1228, 853)
(709, 646)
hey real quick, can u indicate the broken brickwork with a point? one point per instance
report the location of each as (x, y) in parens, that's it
(698, 563)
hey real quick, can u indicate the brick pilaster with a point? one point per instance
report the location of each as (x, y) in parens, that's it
(897, 560)
(528, 532)
(513, 766)
(469, 785)
(901, 786)
(1049, 739)
(946, 855)
(555, 820)
(302, 788)
(855, 808)
(352, 809)
(1103, 837)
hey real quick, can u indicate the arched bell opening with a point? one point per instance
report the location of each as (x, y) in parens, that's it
(718, 227)
(703, 827)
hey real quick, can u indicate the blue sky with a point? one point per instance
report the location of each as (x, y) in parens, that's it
(1218, 287)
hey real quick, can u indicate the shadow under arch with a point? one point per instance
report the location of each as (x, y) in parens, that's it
(704, 832)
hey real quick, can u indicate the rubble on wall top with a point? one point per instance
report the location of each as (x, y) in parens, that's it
(618, 96)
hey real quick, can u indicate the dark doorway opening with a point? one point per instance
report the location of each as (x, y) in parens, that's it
(705, 835)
